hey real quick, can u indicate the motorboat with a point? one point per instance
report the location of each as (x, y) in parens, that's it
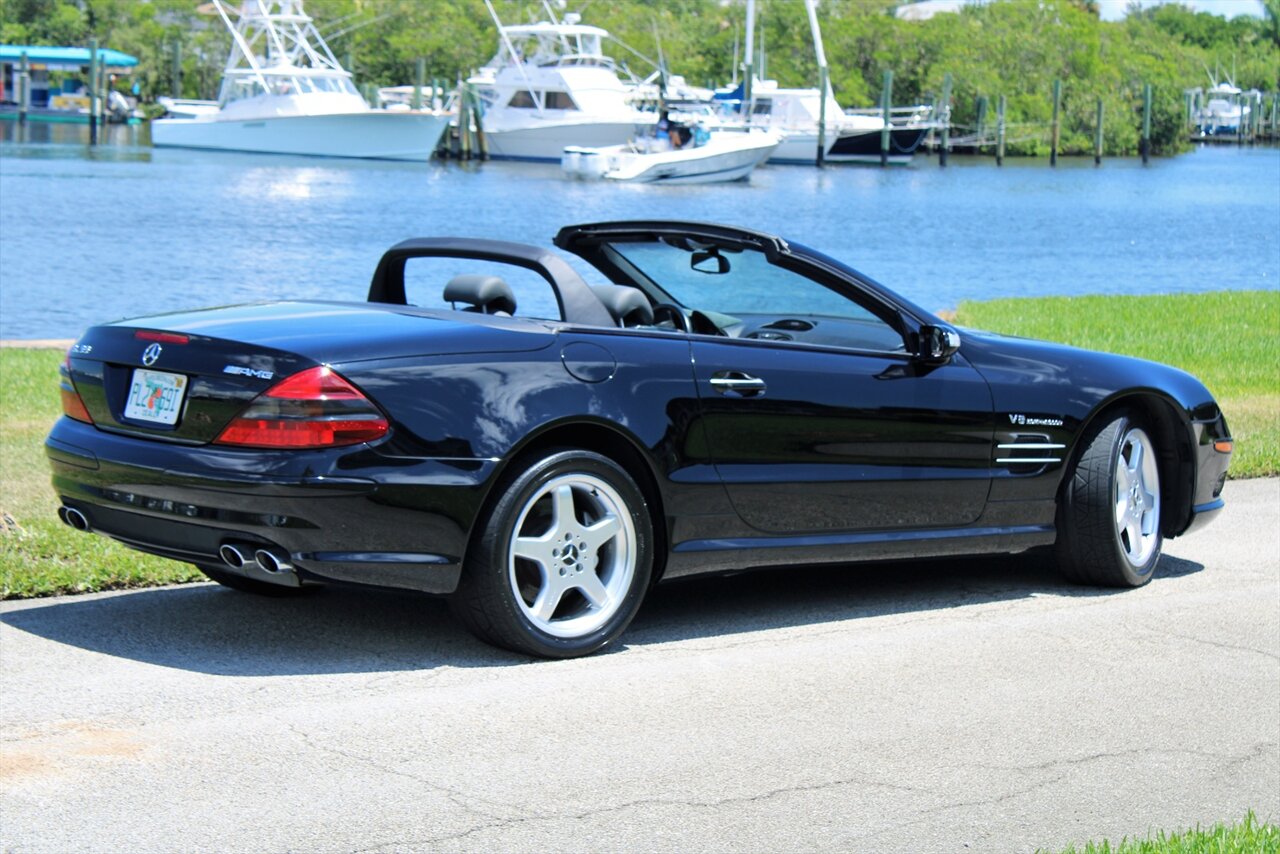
(550, 86)
(796, 114)
(284, 92)
(1223, 111)
(809, 119)
(704, 157)
(186, 108)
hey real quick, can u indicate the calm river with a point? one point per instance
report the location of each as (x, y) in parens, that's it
(88, 235)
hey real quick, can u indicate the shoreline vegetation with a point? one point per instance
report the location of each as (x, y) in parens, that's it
(1225, 338)
(1015, 48)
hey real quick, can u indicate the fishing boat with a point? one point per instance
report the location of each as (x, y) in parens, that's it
(550, 86)
(705, 157)
(283, 92)
(808, 119)
(1222, 112)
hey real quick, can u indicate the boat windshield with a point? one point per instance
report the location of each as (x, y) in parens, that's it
(240, 88)
(544, 45)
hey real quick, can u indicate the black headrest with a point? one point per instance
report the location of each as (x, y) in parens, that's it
(488, 294)
(628, 306)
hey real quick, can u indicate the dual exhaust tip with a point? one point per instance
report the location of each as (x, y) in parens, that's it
(73, 517)
(240, 555)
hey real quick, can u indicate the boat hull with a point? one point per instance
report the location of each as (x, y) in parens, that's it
(730, 157)
(802, 148)
(865, 147)
(549, 142)
(372, 135)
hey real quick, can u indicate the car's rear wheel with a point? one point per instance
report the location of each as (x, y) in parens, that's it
(561, 559)
(1109, 517)
(248, 585)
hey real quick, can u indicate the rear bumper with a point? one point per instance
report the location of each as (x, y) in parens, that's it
(403, 522)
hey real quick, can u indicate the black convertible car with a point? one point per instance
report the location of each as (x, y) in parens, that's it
(490, 426)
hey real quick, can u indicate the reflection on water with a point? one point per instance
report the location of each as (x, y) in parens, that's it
(121, 229)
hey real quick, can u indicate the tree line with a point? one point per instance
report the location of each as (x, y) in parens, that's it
(1015, 48)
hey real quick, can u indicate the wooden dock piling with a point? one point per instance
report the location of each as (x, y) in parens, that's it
(946, 119)
(177, 69)
(1056, 129)
(1097, 137)
(824, 84)
(93, 91)
(886, 104)
(419, 77)
(1000, 127)
(981, 129)
(1146, 122)
(24, 88)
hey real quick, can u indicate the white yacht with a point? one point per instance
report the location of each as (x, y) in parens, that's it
(283, 92)
(705, 157)
(550, 86)
(1223, 111)
(795, 114)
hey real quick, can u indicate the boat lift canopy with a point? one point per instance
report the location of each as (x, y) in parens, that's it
(45, 57)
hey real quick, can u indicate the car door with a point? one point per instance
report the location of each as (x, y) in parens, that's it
(821, 414)
(817, 440)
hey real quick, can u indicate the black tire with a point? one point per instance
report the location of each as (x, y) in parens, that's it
(229, 579)
(1109, 519)
(543, 574)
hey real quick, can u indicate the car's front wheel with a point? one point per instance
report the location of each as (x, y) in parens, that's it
(561, 559)
(1109, 517)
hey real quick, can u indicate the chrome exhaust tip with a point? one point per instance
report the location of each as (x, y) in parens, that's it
(73, 517)
(272, 562)
(232, 556)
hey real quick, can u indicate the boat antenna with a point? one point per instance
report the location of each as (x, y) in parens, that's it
(550, 14)
(662, 62)
(357, 25)
(632, 50)
(242, 45)
(511, 51)
(734, 83)
(749, 41)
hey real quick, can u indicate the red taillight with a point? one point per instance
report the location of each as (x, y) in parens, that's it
(316, 408)
(161, 337)
(72, 405)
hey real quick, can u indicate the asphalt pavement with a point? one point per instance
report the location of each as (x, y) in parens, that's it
(952, 706)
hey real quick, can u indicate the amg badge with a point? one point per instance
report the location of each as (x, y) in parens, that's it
(248, 372)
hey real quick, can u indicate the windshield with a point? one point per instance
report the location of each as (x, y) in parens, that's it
(732, 281)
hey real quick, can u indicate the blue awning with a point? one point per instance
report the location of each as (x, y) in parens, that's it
(64, 58)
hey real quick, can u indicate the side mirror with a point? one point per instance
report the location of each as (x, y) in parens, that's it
(700, 262)
(937, 343)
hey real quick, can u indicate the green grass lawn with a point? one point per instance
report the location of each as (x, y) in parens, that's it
(40, 556)
(1230, 340)
(1245, 837)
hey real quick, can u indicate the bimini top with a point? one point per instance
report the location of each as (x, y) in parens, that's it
(64, 58)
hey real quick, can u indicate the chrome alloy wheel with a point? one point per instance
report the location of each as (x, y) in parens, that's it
(1137, 498)
(573, 555)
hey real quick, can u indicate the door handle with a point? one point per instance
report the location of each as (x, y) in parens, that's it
(737, 384)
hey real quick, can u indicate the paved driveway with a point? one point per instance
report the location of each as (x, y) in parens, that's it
(921, 707)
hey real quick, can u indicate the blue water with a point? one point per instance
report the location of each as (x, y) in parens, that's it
(94, 234)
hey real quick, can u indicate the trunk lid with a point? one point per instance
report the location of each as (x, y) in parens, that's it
(199, 369)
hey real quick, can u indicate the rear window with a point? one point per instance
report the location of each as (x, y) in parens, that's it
(425, 280)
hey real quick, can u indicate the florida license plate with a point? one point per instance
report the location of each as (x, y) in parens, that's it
(155, 396)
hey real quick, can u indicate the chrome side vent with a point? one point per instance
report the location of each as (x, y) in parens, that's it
(1035, 450)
